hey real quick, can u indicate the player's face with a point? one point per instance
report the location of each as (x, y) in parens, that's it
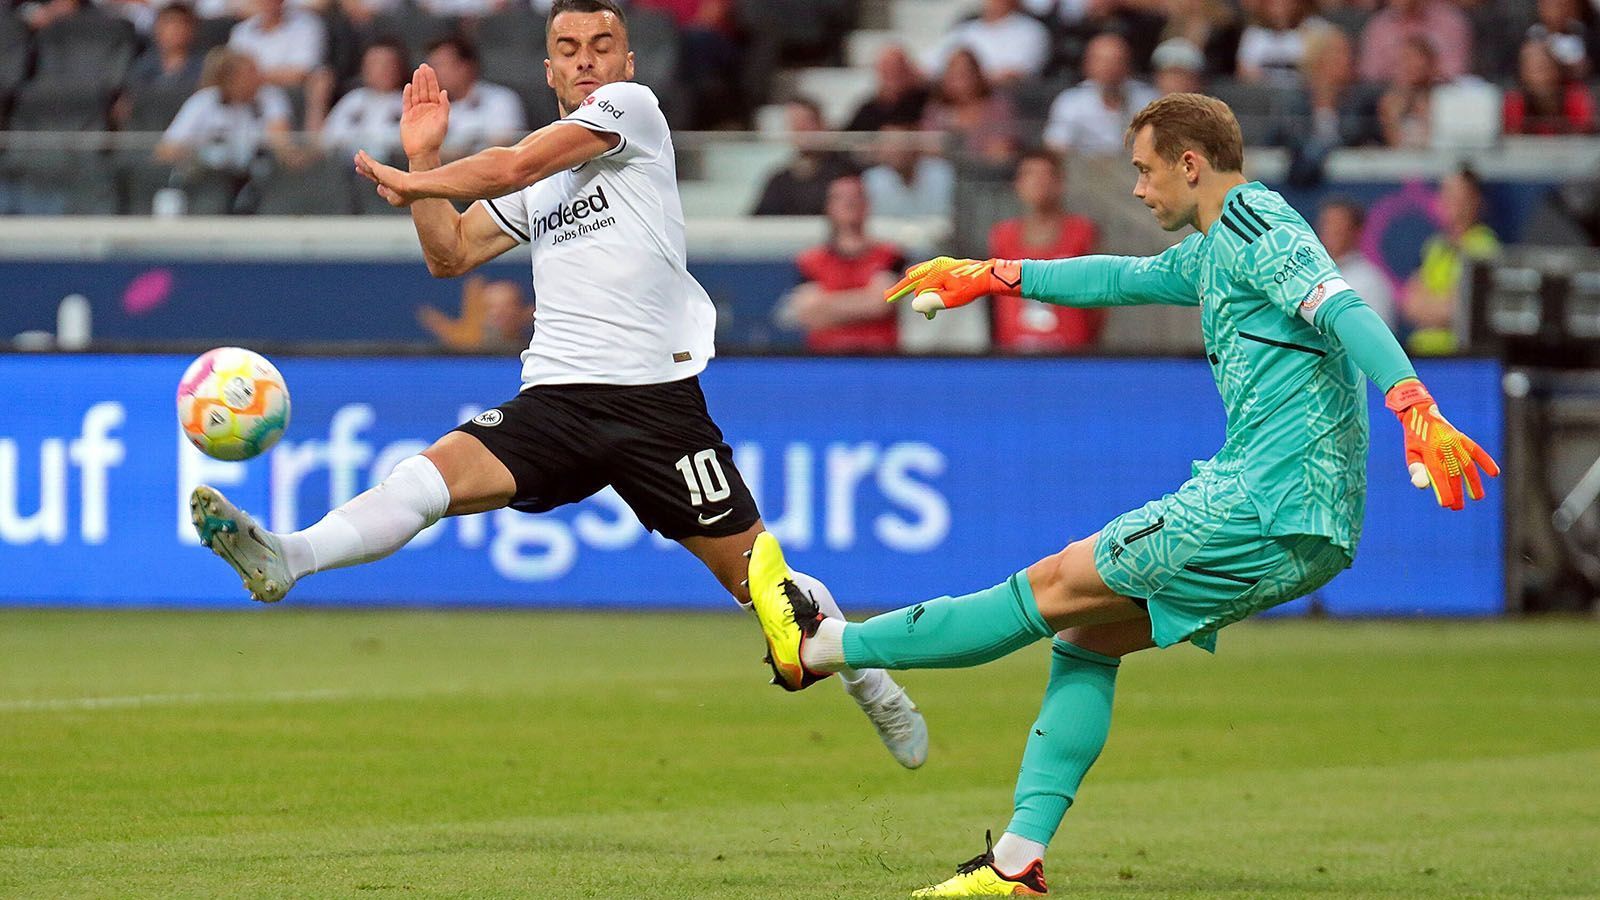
(586, 51)
(1038, 186)
(1162, 186)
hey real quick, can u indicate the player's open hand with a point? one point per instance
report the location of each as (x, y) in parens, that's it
(424, 114)
(946, 283)
(391, 182)
(1437, 454)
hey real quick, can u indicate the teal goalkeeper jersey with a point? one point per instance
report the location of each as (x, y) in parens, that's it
(1296, 404)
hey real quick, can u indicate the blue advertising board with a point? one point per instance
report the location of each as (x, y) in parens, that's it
(291, 300)
(893, 479)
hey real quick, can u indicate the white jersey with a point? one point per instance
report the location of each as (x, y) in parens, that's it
(616, 302)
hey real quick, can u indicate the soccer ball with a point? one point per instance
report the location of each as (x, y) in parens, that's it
(232, 403)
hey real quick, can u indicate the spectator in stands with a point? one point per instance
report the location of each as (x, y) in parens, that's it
(481, 114)
(1405, 109)
(287, 43)
(361, 13)
(711, 58)
(289, 46)
(1092, 117)
(1442, 25)
(839, 301)
(37, 15)
(1561, 26)
(1341, 110)
(1339, 226)
(368, 118)
(1009, 45)
(495, 318)
(1544, 100)
(461, 9)
(968, 107)
(233, 124)
(899, 97)
(1273, 47)
(908, 180)
(801, 188)
(1333, 111)
(1211, 25)
(171, 62)
(1434, 294)
(1045, 230)
(1179, 66)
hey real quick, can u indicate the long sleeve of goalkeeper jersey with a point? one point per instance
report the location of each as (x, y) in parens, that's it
(1115, 280)
(1370, 343)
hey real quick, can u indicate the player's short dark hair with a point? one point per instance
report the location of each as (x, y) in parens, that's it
(1181, 122)
(1057, 164)
(391, 43)
(1358, 213)
(465, 50)
(583, 6)
(179, 9)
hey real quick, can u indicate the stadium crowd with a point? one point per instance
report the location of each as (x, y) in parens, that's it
(244, 91)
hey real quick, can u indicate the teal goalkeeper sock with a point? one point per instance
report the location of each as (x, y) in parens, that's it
(1073, 722)
(950, 632)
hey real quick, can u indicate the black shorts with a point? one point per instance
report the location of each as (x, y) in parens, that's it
(654, 443)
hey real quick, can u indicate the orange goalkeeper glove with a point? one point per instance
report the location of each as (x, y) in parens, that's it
(946, 283)
(1436, 453)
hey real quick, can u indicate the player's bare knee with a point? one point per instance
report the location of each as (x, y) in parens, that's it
(1068, 589)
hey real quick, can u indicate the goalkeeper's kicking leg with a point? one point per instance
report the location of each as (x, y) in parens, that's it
(1198, 559)
(1058, 592)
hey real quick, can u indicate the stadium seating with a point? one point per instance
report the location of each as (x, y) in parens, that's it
(71, 180)
(212, 33)
(14, 58)
(151, 110)
(323, 188)
(413, 28)
(88, 47)
(511, 53)
(656, 48)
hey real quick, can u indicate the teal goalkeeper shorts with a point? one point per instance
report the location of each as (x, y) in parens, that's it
(1197, 561)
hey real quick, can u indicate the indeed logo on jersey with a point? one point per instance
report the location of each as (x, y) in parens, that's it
(577, 213)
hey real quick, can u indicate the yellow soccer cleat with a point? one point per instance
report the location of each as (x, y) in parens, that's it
(787, 615)
(977, 877)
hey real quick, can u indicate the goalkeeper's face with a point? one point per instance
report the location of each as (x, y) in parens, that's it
(1167, 188)
(586, 51)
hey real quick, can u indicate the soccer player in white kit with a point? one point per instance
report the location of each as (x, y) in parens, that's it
(609, 388)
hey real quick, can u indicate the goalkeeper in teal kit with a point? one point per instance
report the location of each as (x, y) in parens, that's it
(1273, 516)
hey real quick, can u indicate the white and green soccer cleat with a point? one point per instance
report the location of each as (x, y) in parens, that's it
(253, 551)
(899, 723)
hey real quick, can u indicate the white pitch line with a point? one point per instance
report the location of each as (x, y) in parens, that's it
(65, 704)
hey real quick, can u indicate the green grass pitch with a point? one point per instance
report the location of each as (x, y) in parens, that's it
(278, 752)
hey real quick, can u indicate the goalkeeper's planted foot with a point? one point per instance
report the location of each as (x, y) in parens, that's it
(232, 534)
(788, 617)
(977, 877)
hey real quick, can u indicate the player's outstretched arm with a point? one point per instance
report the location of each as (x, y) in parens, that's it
(494, 172)
(1085, 281)
(1437, 455)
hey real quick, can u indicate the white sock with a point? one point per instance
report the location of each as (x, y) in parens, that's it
(824, 651)
(1012, 853)
(861, 684)
(373, 524)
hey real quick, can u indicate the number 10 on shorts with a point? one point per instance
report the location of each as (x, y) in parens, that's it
(704, 478)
